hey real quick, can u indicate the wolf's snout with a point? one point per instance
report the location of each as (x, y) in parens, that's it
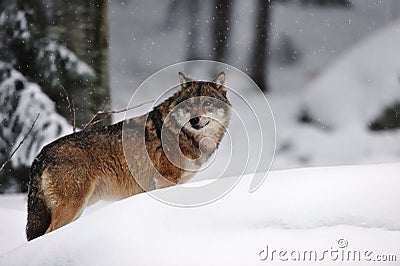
(198, 122)
(194, 121)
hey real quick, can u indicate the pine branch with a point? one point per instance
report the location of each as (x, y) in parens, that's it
(95, 120)
(19, 144)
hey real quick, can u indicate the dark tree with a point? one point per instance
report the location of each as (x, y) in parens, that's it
(193, 32)
(62, 45)
(189, 12)
(82, 26)
(222, 18)
(259, 52)
(45, 46)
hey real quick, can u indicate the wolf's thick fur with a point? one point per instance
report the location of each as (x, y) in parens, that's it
(115, 162)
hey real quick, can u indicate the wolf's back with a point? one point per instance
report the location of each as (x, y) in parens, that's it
(39, 216)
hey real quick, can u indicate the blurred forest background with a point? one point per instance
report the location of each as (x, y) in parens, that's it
(100, 51)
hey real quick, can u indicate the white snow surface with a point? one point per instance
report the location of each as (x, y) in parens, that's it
(303, 209)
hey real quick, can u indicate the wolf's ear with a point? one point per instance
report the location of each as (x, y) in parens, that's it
(183, 80)
(220, 81)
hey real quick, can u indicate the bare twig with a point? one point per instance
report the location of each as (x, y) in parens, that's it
(104, 104)
(71, 107)
(106, 114)
(19, 144)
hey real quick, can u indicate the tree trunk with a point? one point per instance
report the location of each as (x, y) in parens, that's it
(192, 38)
(82, 26)
(260, 53)
(222, 18)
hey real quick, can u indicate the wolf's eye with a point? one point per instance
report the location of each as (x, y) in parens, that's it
(207, 103)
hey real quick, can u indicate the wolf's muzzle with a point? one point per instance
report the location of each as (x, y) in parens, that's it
(197, 123)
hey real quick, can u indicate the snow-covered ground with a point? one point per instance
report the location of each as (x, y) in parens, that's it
(349, 209)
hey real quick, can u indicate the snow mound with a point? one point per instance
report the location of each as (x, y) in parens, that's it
(293, 209)
(15, 219)
(360, 85)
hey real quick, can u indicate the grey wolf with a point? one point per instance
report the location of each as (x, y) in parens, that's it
(129, 157)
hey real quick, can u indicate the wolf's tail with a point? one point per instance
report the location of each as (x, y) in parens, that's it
(39, 215)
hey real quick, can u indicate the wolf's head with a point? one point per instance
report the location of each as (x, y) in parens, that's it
(190, 125)
(201, 108)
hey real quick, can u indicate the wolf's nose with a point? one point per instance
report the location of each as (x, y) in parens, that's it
(194, 121)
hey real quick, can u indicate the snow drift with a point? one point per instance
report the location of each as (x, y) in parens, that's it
(294, 209)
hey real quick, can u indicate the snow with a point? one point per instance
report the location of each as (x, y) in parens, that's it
(356, 88)
(57, 58)
(72, 62)
(13, 215)
(302, 209)
(18, 22)
(342, 101)
(21, 20)
(29, 102)
(50, 124)
(349, 95)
